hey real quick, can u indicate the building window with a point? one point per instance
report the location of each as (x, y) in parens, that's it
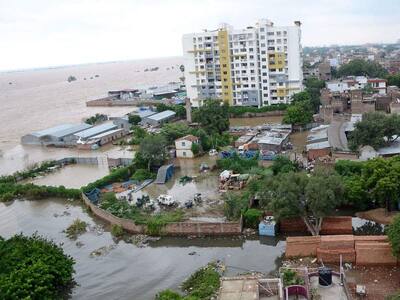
(184, 153)
(183, 144)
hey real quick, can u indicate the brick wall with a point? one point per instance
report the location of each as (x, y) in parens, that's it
(362, 250)
(172, 229)
(337, 225)
(330, 225)
(302, 246)
(374, 253)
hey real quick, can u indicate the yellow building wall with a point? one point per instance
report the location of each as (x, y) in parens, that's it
(225, 62)
(276, 60)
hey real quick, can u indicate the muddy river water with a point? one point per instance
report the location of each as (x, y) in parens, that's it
(126, 271)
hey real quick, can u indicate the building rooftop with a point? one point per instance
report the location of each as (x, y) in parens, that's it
(320, 145)
(62, 130)
(274, 137)
(162, 115)
(145, 113)
(99, 136)
(96, 130)
(189, 137)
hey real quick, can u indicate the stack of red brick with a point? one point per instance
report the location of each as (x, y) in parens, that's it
(362, 250)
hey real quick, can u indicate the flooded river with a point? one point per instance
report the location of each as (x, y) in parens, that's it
(127, 271)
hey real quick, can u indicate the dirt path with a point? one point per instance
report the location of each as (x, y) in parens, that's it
(377, 215)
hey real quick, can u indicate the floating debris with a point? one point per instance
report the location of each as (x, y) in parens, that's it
(103, 250)
(142, 240)
(97, 229)
(79, 244)
(185, 179)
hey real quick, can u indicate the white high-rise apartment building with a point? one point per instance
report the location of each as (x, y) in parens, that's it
(255, 66)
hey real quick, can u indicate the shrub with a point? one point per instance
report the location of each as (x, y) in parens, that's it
(237, 164)
(117, 230)
(290, 277)
(76, 228)
(252, 218)
(283, 164)
(33, 268)
(394, 235)
(235, 205)
(116, 175)
(143, 174)
(195, 148)
(203, 283)
(168, 295)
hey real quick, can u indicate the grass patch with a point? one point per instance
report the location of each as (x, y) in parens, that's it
(201, 285)
(117, 230)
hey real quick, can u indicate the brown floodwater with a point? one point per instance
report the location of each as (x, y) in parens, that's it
(126, 271)
(73, 176)
(39, 99)
(255, 121)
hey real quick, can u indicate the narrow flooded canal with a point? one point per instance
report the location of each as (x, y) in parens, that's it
(126, 271)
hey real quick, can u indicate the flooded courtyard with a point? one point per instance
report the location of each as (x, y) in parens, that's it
(73, 176)
(125, 271)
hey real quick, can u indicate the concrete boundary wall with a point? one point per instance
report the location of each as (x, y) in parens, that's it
(79, 160)
(171, 229)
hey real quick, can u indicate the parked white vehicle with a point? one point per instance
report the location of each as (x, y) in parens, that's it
(165, 200)
(225, 175)
(213, 152)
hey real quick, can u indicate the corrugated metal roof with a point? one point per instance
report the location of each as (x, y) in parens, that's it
(96, 130)
(62, 130)
(321, 145)
(98, 136)
(162, 115)
(145, 113)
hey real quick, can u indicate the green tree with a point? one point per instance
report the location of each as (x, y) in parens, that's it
(212, 116)
(33, 268)
(153, 150)
(138, 134)
(360, 67)
(283, 164)
(393, 79)
(179, 109)
(173, 131)
(394, 235)
(375, 129)
(134, 119)
(298, 195)
(300, 113)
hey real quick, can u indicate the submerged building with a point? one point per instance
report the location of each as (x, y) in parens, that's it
(256, 66)
(55, 136)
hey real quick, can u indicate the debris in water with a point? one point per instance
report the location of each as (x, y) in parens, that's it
(192, 253)
(79, 244)
(141, 240)
(97, 229)
(103, 250)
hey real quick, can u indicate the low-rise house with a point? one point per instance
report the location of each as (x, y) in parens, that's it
(319, 149)
(184, 145)
(244, 139)
(57, 136)
(274, 140)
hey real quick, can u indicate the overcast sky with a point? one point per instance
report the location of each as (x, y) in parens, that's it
(40, 33)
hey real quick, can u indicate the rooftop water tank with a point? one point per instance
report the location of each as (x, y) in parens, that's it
(325, 276)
